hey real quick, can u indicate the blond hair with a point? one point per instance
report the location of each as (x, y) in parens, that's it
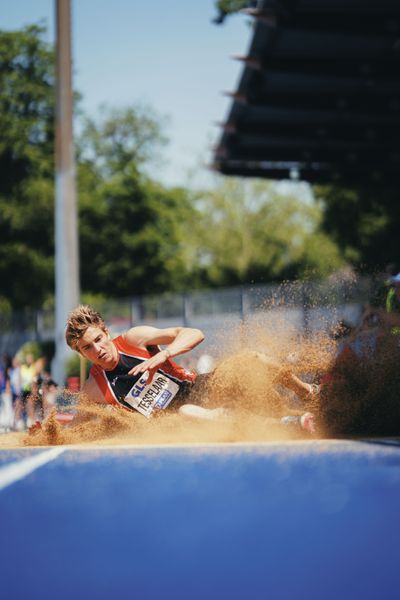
(79, 320)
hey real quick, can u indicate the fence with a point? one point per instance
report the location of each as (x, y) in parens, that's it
(300, 306)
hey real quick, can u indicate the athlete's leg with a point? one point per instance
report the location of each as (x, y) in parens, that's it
(284, 376)
(195, 411)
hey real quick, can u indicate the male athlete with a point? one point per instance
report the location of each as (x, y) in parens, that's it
(133, 372)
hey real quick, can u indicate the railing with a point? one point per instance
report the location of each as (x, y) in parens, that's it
(307, 306)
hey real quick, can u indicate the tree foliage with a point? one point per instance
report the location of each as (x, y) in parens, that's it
(363, 222)
(131, 227)
(121, 141)
(227, 7)
(26, 166)
(251, 232)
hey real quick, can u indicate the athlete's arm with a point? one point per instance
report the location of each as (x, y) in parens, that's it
(178, 340)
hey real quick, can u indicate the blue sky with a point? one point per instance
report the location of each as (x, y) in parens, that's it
(165, 53)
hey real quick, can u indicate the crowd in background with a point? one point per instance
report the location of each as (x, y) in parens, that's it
(382, 313)
(27, 391)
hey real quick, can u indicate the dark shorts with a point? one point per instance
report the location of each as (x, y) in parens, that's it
(192, 393)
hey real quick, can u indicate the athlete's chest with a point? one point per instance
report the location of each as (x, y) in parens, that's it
(133, 391)
(119, 378)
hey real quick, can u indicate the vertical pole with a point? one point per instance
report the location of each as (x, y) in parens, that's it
(186, 309)
(66, 226)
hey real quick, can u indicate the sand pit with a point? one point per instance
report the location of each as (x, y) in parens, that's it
(172, 429)
(120, 428)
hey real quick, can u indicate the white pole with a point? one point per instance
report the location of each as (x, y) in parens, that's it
(66, 222)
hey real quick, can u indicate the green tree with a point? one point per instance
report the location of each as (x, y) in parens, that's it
(227, 7)
(132, 229)
(251, 232)
(26, 166)
(121, 141)
(363, 222)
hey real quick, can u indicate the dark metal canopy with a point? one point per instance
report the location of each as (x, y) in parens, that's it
(319, 95)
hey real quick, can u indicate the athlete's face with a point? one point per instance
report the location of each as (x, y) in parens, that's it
(96, 346)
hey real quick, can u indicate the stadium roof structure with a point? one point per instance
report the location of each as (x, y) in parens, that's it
(319, 95)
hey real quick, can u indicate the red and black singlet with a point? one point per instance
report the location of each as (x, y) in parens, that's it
(116, 384)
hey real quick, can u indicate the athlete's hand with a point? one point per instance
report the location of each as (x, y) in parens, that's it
(151, 365)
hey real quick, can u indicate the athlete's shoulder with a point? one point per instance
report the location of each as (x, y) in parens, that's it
(131, 345)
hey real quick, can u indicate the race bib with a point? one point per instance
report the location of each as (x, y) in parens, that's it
(146, 398)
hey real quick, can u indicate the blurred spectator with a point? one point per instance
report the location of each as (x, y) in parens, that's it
(42, 396)
(205, 364)
(50, 396)
(371, 317)
(27, 392)
(28, 373)
(6, 412)
(381, 286)
(393, 304)
(341, 330)
(16, 392)
(383, 311)
(44, 391)
(188, 362)
(5, 363)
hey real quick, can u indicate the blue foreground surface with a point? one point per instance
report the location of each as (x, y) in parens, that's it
(315, 519)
